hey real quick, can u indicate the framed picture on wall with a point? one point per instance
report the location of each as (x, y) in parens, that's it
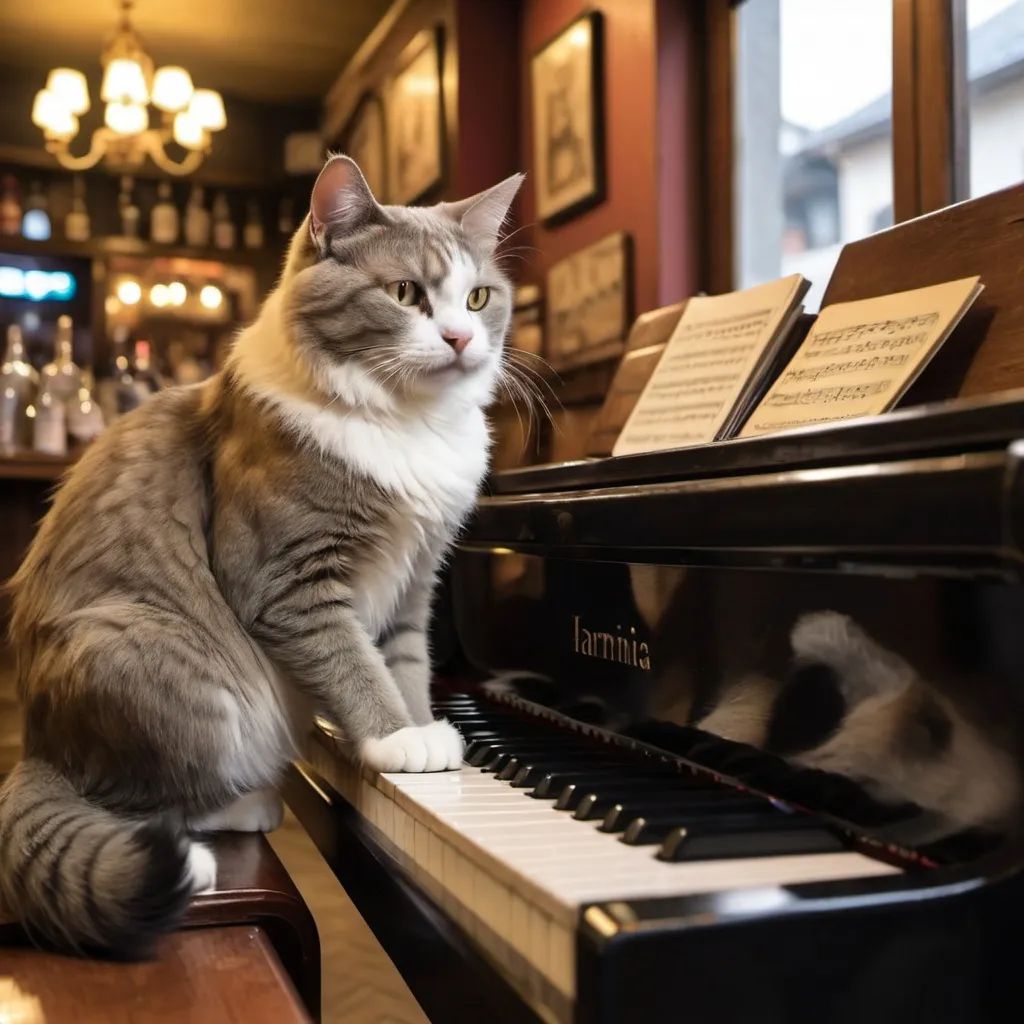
(416, 121)
(568, 120)
(364, 140)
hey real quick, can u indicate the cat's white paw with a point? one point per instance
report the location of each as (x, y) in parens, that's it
(259, 811)
(417, 748)
(202, 868)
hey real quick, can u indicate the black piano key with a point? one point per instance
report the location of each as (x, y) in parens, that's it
(480, 751)
(561, 751)
(656, 827)
(598, 804)
(526, 772)
(572, 795)
(618, 816)
(720, 840)
(552, 784)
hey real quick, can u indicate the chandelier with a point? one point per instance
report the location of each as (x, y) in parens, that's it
(187, 115)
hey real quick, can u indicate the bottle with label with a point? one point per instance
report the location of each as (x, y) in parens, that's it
(164, 223)
(35, 223)
(253, 233)
(85, 420)
(76, 223)
(10, 207)
(128, 208)
(197, 219)
(19, 383)
(223, 225)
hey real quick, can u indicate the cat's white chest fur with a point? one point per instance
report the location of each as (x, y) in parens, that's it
(430, 466)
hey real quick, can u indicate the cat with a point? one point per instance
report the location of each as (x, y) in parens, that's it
(238, 555)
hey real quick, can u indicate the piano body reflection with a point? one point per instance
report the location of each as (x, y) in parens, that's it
(744, 729)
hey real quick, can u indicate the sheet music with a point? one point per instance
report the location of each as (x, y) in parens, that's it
(707, 363)
(860, 357)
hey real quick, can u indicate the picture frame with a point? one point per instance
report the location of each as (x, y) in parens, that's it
(416, 124)
(365, 140)
(589, 303)
(567, 88)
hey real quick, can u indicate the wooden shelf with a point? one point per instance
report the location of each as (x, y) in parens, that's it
(102, 248)
(35, 466)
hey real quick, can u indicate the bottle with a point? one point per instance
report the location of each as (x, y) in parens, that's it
(126, 395)
(197, 219)
(285, 218)
(164, 223)
(147, 380)
(129, 211)
(10, 207)
(253, 233)
(19, 383)
(223, 226)
(85, 420)
(35, 224)
(50, 436)
(76, 223)
(62, 377)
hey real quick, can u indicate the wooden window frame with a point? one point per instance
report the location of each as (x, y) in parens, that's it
(930, 122)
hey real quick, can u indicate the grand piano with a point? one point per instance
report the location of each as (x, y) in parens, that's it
(744, 720)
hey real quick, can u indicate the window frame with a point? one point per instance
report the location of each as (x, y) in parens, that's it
(930, 121)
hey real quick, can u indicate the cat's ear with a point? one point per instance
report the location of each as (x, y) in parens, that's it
(482, 215)
(341, 199)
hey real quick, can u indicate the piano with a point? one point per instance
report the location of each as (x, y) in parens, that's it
(744, 728)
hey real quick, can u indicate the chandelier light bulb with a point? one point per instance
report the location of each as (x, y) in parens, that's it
(172, 89)
(188, 132)
(127, 118)
(70, 89)
(211, 296)
(207, 108)
(124, 82)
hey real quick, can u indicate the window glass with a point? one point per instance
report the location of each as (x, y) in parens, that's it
(995, 73)
(813, 134)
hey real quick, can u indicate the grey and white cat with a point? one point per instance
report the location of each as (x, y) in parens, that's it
(238, 555)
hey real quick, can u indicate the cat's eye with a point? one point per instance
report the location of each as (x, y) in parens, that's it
(478, 298)
(405, 293)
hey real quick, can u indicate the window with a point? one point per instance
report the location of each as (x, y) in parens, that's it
(995, 90)
(812, 134)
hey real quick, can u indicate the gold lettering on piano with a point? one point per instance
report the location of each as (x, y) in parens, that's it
(617, 646)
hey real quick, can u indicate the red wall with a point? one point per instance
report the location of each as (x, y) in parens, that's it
(630, 93)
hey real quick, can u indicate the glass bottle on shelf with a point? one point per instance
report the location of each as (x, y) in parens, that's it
(147, 380)
(253, 232)
(85, 419)
(129, 210)
(197, 219)
(18, 386)
(35, 223)
(164, 223)
(76, 224)
(61, 376)
(223, 225)
(10, 207)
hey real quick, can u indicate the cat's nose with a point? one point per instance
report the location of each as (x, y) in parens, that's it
(458, 340)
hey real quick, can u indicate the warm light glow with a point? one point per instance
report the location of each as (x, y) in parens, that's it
(44, 109)
(127, 118)
(129, 292)
(211, 296)
(208, 109)
(124, 82)
(188, 132)
(69, 88)
(172, 89)
(580, 36)
(177, 293)
(159, 295)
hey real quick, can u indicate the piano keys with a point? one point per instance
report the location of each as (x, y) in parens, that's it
(743, 729)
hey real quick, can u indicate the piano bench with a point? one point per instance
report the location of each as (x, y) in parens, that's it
(248, 951)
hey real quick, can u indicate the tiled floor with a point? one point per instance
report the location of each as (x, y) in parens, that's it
(360, 984)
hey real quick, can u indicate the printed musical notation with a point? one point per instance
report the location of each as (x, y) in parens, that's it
(708, 361)
(860, 357)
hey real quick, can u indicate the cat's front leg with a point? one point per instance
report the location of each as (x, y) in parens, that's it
(407, 652)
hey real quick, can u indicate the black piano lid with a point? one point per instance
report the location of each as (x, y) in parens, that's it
(942, 428)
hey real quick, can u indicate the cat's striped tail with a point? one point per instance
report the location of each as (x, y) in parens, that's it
(82, 879)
